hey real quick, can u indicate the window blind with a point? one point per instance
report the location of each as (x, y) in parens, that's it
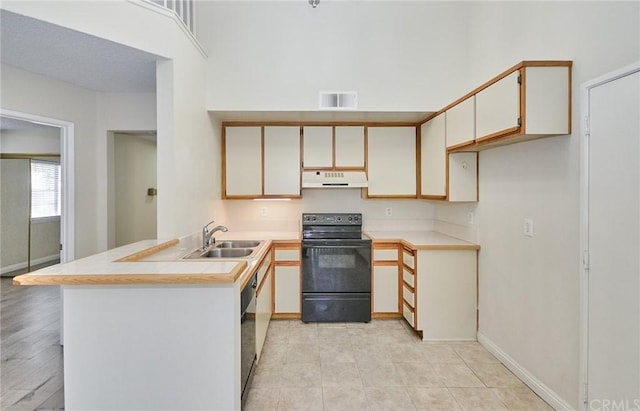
(45, 189)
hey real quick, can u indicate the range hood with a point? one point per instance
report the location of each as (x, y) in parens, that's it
(334, 179)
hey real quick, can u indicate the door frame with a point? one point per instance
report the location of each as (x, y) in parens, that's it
(67, 167)
(585, 88)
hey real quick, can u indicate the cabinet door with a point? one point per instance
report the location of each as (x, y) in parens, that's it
(461, 125)
(282, 161)
(447, 295)
(463, 177)
(287, 289)
(385, 288)
(498, 107)
(317, 147)
(548, 108)
(391, 158)
(243, 161)
(433, 158)
(263, 311)
(350, 147)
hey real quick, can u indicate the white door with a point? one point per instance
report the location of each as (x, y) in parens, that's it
(613, 241)
(135, 173)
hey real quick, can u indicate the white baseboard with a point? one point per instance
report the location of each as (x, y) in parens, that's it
(20, 266)
(546, 393)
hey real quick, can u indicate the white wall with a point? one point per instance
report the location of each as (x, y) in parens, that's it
(40, 139)
(35, 94)
(239, 215)
(529, 287)
(277, 55)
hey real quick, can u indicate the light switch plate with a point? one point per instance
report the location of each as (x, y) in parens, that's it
(528, 227)
(470, 218)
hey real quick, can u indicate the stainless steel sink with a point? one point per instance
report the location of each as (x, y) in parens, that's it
(220, 253)
(238, 244)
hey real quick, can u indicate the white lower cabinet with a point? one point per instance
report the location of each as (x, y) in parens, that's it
(445, 295)
(385, 288)
(264, 303)
(286, 271)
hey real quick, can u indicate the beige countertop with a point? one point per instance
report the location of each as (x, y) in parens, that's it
(155, 262)
(422, 240)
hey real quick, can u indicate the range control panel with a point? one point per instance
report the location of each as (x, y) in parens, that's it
(332, 219)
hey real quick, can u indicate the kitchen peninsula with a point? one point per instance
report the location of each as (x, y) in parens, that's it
(143, 329)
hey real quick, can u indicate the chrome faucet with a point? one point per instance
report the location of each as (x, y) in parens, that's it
(207, 236)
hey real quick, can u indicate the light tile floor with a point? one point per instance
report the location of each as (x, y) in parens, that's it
(382, 365)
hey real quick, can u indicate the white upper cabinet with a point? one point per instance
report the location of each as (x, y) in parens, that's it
(547, 97)
(461, 123)
(532, 101)
(349, 147)
(324, 150)
(242, 169)
(282, 161)
(433, 158)
(244, 173)
(318, 147)
(498, 107)
(391, 161)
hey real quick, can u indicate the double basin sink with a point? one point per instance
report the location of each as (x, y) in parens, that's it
(226, 249)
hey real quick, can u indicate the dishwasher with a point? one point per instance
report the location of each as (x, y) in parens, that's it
(247, 336)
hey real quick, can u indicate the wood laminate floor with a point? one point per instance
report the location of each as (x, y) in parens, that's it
(31, 373)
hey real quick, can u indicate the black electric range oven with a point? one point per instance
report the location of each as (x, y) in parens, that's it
(336, 269)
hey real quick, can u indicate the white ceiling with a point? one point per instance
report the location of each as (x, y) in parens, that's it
(74, 57)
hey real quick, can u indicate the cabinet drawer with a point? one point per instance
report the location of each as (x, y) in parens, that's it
(408, 295)
(408, 258)
(385, 254)
(287, 254)
(408, 277)
(409, 315)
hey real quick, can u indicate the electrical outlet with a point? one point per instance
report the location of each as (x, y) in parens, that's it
(528, 227)
(388, 212)
(263, 211)
(470, 218)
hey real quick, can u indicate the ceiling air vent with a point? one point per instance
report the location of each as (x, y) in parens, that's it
(338, 100)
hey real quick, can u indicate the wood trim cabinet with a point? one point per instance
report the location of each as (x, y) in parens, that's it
(433, 159)
(452, 177)
(385, 292)
(286, 280)
(261, 162)
(530, 100)
(333, 148)
(391, 162)
(440, 293)
(264, 302)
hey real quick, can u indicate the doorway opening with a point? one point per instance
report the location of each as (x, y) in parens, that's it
(132, 187)
(37, 192)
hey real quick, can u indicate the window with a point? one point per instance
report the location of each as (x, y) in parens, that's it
(45, 189)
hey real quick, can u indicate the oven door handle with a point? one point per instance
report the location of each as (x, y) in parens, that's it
(336, 246)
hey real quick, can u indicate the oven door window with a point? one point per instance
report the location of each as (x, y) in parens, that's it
(336, 268)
